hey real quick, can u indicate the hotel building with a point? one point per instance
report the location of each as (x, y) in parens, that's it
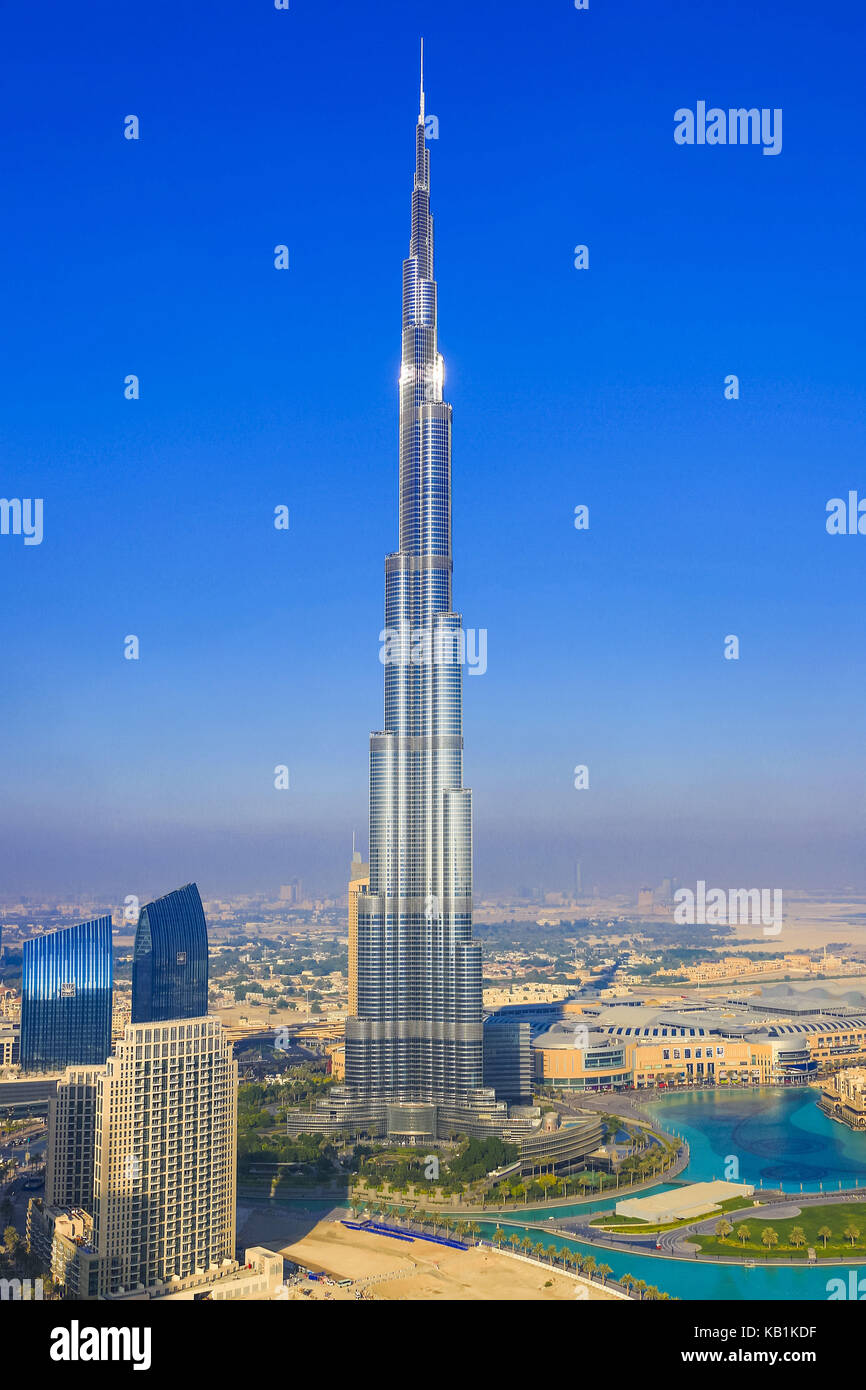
(169, 964)
(66, 997)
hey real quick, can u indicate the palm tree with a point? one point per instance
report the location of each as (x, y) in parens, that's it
(640, 1285)
(825, 1233)
(723, 1228)
(551, 1252)
(514, 1240)
(797, 1237)
(526, 1244)
(852, 1233)
(589, 1265)
(474, 1229)
(769, 1237)
(604, 1271)
(743, 1233)
(652, 1292)
(627, 1282)
(498, 1236)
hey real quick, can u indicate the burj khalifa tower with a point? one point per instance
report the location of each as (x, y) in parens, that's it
(415, 1045)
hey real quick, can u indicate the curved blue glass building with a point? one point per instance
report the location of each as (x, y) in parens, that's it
(66, 998)
(169, 964)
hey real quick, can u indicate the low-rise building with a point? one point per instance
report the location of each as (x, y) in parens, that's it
(843, 1097)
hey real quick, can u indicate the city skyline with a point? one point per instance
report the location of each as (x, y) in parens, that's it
(559, 995)
(598, 387)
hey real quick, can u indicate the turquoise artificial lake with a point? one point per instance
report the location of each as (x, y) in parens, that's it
(779, 1138)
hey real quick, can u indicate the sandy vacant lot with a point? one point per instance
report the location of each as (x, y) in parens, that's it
(389, 1269)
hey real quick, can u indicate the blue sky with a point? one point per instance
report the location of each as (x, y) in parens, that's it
(261, 387)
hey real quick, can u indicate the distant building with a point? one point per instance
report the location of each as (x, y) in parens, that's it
(843, 1097)
(71, 1148)
(66, 997)
(170, 967)
(508, 1059)
(359, 882)
(337, 1054)
(571, 1057)
(61, 1239)
(9, 1038)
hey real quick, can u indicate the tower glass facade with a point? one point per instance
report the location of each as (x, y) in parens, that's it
(66, 998)
(169, 967)
(417, 1036)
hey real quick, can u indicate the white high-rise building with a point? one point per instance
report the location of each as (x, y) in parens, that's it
(69, 1156)
(165, 1154)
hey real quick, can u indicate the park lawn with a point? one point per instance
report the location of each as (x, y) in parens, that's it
(836, 1217)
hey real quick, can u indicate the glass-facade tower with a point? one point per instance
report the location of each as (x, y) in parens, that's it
(169, 965)
(66, 998)
(417, 1036)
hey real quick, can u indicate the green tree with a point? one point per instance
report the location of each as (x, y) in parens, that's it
(851, 1232)
(769, 1237)
(743, 1233)
(723, 1228)
(797, 1237)
(825, 1233)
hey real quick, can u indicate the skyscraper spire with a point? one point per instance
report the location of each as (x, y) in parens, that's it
(414, 1029)
(414, 1044)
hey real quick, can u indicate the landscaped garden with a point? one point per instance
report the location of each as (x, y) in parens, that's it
(837, 1230)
